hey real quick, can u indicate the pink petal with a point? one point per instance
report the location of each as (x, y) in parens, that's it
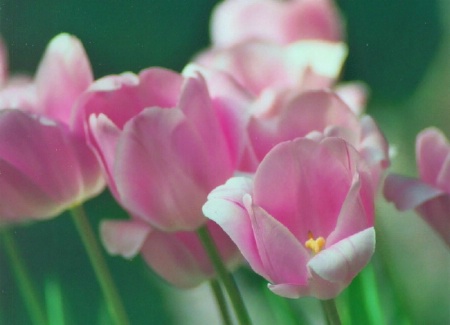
(50, 160)
(310, 111)
(354, 94)
(436, 213)
(103, 137)
(173, 259)
(196, 105)
(63, 74)
(408, 193)
(353, 216)
(296, 177)
(225, 206)
(124, 238)
(343, 260)
(170, 188)
(240, 21)
(432, 149)
(112, 94)
(283, 257)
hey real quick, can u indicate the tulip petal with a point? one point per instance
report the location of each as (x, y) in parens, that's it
(124, 238)
(105, 135)
(408, 193)
(282, 255)
(225, 206)
(353, 217)
(167, 189)
(50, 159)
(432, 149)
(296, 177)
(343, 260)
(243, 20)
(63, 74)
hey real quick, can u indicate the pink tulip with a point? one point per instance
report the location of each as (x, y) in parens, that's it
(161, 144)
(305, 221)
(45, 167)
(282, 22)
(430, 194)
(178, 257)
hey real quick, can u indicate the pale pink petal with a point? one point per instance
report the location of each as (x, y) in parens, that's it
(50, 159)
(196, 105)
(63, 74)
(124, 238)
(225, 206)
(103, 137)
(173, 259)
(432, 149)
(296, 177)
(374, 149)
(283, 257)
(343, 260)
(281, 22)
(353, 216)
(309, 111)
(354, 94)
(408, 193)
(231, 102)
(167, 189)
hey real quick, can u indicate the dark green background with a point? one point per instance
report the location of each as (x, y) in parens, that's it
(391, 44)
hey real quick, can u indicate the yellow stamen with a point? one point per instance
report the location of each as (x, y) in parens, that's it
(315, 245)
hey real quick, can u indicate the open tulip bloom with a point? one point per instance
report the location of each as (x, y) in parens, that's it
(161, 144)
(305, 221)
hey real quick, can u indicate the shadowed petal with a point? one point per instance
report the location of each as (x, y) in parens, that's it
(124, 238)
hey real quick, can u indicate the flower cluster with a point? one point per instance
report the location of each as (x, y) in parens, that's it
(256, 140)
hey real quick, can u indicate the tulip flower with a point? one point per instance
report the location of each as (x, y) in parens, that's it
(305, 221)
(45, 167)
(161, 144)
(178, 257)
(430, 194)
(282, 22)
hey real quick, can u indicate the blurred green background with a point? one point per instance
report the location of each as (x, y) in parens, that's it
(401, 49)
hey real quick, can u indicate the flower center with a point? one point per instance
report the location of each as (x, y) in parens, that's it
(315, 245)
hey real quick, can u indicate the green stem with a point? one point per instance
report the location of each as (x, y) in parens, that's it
(30, 297)
(331, 312)
(113, 301)
(221, 302)
(224, 276)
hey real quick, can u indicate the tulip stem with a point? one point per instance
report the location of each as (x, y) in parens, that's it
(331, 312)
(114, 303)
(28, 291)
(221, 302)
(224, 276)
